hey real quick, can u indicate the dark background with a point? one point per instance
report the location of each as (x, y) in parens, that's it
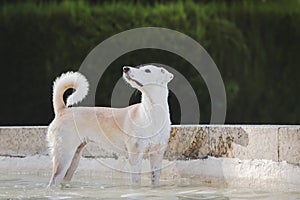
(255, 44)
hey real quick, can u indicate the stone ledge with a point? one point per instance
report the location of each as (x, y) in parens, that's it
(270, 142)
(255, 174)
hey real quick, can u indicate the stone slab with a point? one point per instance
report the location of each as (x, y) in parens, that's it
(222, 140)
(262, 144)
(180, 141)
(271, 142)
(22, 141)
(289, 145)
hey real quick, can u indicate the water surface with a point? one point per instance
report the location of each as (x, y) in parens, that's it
(26, 186)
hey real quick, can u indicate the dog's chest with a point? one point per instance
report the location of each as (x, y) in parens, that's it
(151, 139)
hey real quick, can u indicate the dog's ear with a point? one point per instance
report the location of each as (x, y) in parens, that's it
(169, 75)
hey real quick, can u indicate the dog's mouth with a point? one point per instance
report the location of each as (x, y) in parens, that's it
(128, 78)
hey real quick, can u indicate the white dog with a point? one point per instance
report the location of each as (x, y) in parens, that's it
(137, 129)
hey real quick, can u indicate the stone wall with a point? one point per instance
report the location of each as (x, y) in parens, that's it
(270, 142)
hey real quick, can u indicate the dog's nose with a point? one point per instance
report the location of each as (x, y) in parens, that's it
(126, 69)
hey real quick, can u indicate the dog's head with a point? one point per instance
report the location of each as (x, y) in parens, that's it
(146, 75)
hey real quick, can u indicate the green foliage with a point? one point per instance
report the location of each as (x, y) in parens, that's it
(255, 44)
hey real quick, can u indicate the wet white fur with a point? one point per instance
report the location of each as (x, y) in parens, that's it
(134, 130)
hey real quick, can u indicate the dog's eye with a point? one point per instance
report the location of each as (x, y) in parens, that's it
(147, 71)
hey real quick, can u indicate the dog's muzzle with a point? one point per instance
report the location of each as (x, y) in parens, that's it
(126, 70)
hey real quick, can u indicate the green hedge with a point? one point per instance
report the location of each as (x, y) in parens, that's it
(254, 44)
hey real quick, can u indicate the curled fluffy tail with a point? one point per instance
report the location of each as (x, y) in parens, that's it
(68, 80)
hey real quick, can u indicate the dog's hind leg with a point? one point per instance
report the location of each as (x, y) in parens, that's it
(61, 164)
(75, 161)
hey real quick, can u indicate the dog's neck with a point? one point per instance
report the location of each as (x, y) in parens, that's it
(155, 96)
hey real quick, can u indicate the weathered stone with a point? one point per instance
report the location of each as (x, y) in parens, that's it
(22, 141)
(289, 145)
(180, 140)
(221, 140)
(199, 147)
(263, 143)
(277, 143)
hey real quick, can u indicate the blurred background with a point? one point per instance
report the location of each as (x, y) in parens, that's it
(254, 43)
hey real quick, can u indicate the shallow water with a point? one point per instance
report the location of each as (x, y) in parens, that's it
(25, 186)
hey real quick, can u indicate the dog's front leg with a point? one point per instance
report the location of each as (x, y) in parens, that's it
(156, 158)
(135, 160)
